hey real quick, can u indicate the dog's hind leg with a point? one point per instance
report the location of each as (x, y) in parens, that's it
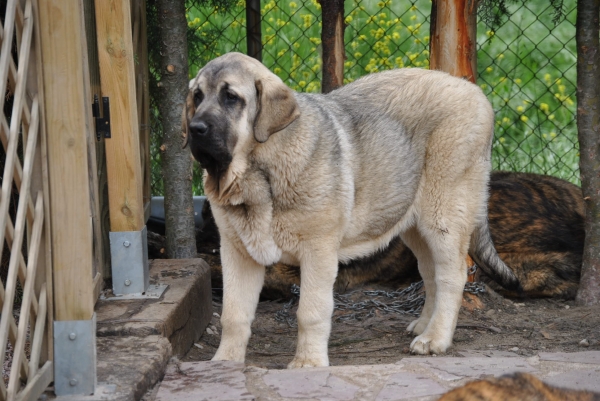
(242, 281)
(318, 269)
(417, 244)
(448, 245)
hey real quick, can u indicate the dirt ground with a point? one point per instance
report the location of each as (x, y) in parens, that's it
(487, 321)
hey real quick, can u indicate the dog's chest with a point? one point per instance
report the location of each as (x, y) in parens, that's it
(253, 225)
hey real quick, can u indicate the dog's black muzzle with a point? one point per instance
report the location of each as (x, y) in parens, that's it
(208, 143)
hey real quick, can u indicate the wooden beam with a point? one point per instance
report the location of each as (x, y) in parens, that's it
(332, 39)
(453, 31)
(117, 74)
(67, 128)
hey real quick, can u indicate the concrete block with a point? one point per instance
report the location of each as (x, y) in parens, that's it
(181, 314)
(130, 365)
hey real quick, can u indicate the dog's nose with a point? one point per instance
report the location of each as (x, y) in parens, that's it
(198, 127)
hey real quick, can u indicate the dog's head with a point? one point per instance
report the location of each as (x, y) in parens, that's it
(233, 104)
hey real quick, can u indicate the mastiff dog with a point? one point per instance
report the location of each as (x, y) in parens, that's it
(312, 180)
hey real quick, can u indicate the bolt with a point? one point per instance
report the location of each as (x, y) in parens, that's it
(127, 283)
(126, 244)
(73, 382)
(72, 336)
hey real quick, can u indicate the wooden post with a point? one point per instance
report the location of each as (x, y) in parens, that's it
(117, 73)
(67, 126)
(253, 32)
(332, 39)
(453, 46)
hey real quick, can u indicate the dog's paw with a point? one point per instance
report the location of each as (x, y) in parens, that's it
(230, 354)
(417, 326)
(308, 362)
(425, 345)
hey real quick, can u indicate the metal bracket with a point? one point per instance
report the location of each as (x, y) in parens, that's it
(130, 275)
(75, 357)
(102, 123)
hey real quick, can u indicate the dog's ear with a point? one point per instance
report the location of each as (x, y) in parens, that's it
(186, 117)
(276, 108)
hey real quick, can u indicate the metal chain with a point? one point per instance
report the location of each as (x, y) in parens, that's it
(408, 301)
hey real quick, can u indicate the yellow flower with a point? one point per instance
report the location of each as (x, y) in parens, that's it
(501, 139)
(277, 70)
(500, 56)
(520, 109)
(396, 35)
(348, 19)
(489, 69)
(483, 86)
(281, 52)
(551, 117)
(357, 55)
(505, 120)
(490, 33)
(544, 107)
(413, 17)
(524, 118)
(553, 134)
(518, 81)
(547, 78)
(293, 4)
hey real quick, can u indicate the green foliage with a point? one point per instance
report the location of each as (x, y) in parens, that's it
(526, 62)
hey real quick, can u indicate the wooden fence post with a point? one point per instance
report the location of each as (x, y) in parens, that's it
(453, 46)
(253, 32)
(332, 40)
(68, 123)
(117, 74)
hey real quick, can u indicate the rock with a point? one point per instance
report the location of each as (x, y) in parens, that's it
(584, 343)
(209, 331)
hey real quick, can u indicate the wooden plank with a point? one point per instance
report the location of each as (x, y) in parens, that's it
(38, 338)
(67, 125)
(117, 73)
(453, 31)
(92, 75)
(332, 39)
(37, 384)
(39, 184)
(28, 295)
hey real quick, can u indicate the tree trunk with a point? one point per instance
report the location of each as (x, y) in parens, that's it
(177, 162)
(332, 39)
(588, 125)
(453, 31)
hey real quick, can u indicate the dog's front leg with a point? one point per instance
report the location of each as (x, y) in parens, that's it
(318, 269)
(242, 281)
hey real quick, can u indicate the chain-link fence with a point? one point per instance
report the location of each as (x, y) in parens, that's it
(526, 63)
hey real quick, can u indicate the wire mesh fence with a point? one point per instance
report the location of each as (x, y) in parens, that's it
(526, 63)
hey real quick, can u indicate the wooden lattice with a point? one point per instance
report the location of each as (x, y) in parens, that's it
(23, 231)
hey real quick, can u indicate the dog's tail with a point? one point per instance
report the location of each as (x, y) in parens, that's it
(484, 253)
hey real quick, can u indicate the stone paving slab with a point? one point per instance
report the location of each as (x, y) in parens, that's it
(589, 357)
(412, 378)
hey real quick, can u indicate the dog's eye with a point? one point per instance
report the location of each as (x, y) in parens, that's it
(198, 97)
(231, 97)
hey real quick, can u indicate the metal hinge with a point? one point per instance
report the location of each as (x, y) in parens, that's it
(102, 123)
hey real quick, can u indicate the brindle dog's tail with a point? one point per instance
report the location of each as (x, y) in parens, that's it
(484, 253)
